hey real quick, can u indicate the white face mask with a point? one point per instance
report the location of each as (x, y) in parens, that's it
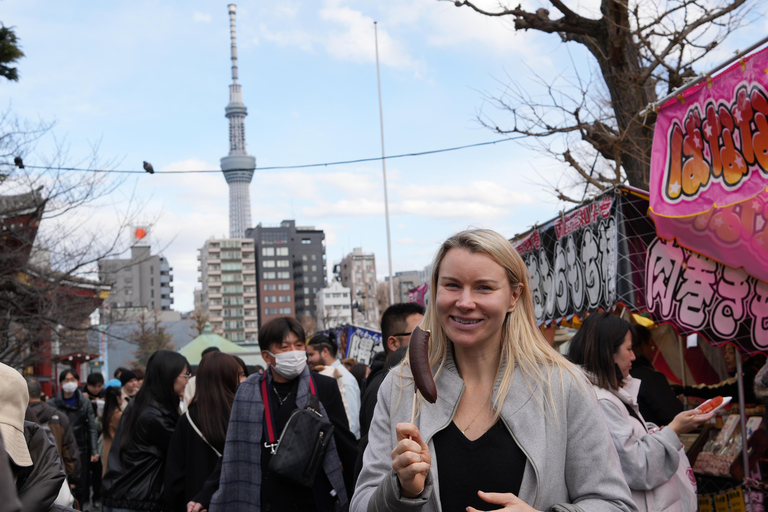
(69, 387)
(290, 364)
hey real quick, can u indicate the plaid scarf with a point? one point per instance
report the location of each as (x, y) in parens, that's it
(240, 482)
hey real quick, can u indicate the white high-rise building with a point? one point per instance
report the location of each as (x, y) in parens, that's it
(334, 306)
(228, 275)
(238, 166)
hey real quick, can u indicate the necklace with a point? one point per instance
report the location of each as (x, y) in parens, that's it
(281, 399)
(473, 419)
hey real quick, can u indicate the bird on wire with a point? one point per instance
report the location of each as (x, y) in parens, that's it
(148, 167)
(19, 162)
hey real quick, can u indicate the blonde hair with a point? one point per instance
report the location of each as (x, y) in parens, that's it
(522, 342)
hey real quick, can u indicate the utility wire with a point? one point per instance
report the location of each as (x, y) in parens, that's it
(277, 167)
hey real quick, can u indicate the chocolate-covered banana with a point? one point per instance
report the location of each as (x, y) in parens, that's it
(418, 350)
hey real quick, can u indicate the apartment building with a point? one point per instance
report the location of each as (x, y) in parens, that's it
(142, 283)
(229, 296)
(334, 306)
(357, 271)
(291, 269)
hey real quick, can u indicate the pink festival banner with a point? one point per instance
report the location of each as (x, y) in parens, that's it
(709, 167)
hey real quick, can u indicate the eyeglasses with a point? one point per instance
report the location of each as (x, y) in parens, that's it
(403, 334)
(186, 376)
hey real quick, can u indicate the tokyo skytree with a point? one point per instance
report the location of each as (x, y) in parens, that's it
(238, 166)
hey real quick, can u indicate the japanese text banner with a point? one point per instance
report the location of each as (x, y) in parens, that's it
(709, 167)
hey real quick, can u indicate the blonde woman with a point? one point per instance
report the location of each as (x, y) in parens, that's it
(515, 426)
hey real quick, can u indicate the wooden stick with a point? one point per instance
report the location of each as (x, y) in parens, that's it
(413, 409)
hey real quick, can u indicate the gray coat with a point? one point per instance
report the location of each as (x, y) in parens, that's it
(571, 462)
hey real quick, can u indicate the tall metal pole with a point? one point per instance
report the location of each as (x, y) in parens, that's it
(384, 168)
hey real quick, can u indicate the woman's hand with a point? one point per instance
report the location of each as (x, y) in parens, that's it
(411, 460)
(509, 501)
(688, 420)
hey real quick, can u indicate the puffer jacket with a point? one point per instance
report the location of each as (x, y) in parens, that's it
(58, 423)
(83, 422)
(134, 478)
(649, 460)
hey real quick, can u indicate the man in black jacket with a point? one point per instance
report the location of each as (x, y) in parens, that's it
(58, 423)
(656, 400)
(70, 401)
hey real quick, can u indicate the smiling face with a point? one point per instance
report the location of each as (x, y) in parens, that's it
(624, 356)
(473, 298)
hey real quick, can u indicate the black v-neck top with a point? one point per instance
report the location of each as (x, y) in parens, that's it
(491, 463)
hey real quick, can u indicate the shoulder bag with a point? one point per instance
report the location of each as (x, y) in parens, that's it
(299, 452)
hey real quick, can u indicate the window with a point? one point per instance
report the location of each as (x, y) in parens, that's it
(233, 289)
(314, 268)
(214, 279)
(274, 237)
(249, 289)
(233, 312)
(267, 251)
(270, 299)
(270, 311)
(231, 243)
(284, 287)
(306, 302)
(128, 280)
(250, 312)
(128, 291)
(283, 275)
(231, 266)
(346, 306)
(284, 298)
(268, 264)
(285, 311)
(231, 278)
(230, 301)
(306, 241)
(151, 269)
(214, 267)
(303, 257)
(306, 291)
(305, 268)
(282, 251)
(151, 281)
(230, 255)
(269, 287)
(268, 275)
(314, 279)
(283, 263)
(336, 295)
(344, 295)
(314, 257)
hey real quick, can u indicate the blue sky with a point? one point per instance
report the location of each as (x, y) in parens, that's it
(148, 81)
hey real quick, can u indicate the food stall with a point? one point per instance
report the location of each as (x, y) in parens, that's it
(605, 255)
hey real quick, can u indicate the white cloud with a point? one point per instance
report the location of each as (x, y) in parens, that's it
(200, 17)
(347, 35)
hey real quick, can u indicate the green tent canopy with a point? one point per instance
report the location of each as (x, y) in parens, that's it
(194, 349)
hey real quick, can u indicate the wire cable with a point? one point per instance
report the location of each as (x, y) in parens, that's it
(276, 167)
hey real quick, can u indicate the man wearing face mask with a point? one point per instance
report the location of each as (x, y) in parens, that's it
(70, 401)
(265, 402)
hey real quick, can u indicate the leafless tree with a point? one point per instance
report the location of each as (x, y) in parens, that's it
(200, 318)
(50, 241)
(149, 337)
(642, 48)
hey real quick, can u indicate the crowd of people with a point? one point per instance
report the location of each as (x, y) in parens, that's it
(516, 426)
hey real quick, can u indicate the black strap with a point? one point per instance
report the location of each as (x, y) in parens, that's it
(634, 415)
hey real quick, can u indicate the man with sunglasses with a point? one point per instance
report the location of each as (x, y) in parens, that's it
(397, 324)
